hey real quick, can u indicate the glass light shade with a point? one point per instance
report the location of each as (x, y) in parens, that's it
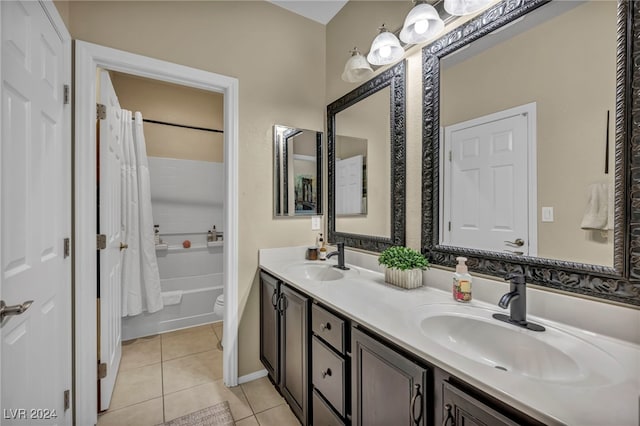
(421, 24)
(385, 49)
(464, 7)
(357, 68)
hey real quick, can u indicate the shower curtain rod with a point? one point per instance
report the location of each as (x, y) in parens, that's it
(184, 126)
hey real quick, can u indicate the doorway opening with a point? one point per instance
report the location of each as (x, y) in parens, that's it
(90, 58)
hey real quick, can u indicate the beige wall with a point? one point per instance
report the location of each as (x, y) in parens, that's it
(161, 101)
(279, 60)
(572, 80)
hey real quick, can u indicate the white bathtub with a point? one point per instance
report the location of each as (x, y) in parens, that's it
(197, 273)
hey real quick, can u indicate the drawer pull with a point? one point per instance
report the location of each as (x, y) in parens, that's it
(326, 373)
(325, 327)
(274, 300)
(449, 416)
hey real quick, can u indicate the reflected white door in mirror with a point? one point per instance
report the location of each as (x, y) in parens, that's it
(489, 181)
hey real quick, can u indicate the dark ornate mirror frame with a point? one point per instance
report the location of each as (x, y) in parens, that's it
(620, 283)
(394, 77)
(280, 151)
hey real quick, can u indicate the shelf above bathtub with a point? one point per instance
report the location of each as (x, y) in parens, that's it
(215, 243)
(160, 247)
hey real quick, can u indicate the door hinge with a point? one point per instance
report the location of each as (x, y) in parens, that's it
(67, 247)
(67, 399)
(450, 156)
(101, 111)
(102, 370)
(449, 226)
(66, 93)
(101, 242)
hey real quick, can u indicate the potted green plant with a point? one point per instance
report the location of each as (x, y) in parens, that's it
(403, 266)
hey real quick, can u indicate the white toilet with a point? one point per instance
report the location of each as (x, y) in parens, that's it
(218, 308)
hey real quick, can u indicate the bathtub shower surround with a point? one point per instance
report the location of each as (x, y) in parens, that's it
(140, 275)
(187, 201)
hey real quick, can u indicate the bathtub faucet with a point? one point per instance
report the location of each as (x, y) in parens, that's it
(340, 253)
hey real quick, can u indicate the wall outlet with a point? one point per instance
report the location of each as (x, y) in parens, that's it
(315, 223)
(547, 214)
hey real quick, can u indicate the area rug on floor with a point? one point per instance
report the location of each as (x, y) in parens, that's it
(216, 415)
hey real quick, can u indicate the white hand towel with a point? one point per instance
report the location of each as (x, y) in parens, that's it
(596, 215)
(610, 206)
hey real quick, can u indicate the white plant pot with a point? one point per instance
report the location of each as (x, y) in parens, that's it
(410, 278)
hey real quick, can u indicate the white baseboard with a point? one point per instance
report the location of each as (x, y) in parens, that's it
(252, 376)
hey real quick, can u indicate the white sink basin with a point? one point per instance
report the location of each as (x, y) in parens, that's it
(316, 272)
(552, 355)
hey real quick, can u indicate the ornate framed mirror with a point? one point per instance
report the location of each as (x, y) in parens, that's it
(530, 161)
(297, 172)
(366, 163)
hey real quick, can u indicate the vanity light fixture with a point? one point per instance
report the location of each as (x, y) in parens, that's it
(421, 24)
(385, 48)
(357, 68)
(464, 7)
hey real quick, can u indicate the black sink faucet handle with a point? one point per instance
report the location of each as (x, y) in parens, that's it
(515, 278)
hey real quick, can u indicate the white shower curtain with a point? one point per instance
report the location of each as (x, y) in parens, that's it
(140, 276)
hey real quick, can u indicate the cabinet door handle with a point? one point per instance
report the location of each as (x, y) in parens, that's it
(326, 373)
(416, 395)
(325, 327)
(282, 304)
(274, 299)
(449, 416)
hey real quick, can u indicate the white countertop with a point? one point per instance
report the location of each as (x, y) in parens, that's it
(364, 297)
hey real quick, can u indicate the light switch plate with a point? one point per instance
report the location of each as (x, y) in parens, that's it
(315, 223)
(547, 214)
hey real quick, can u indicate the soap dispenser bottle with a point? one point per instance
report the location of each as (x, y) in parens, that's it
(322, 252)
(462, 281)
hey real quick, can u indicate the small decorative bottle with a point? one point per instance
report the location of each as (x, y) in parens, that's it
(462, 281)
(322, 251)
(210, 235)
(156, 234)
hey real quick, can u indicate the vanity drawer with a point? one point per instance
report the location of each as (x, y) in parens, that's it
(328, 327)
(328, 374)
(323, 415)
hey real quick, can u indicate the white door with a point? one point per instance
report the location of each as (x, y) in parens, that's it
(349, 185)
(486, 176)
(35, 215)
(110, 223)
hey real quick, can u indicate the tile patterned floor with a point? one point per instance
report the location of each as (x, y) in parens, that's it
(169, 375)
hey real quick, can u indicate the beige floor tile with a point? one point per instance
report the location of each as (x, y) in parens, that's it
(137, 385)
(178, 404)
(191, 370)
(217, 328)
(140, 352)
(261, 394)
(143, 414)
(249, 421)
(178, 344)
(278, 416)
(204, 327)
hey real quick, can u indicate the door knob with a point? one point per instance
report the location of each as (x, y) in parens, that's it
(123, 246)
(6, 311)
(519, 242)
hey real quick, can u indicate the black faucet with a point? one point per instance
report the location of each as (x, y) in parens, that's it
(517, 299)
(340, 253)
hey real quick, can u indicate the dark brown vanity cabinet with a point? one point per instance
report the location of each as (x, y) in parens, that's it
(329, 368)
(388, 388)
(460, 409)
(284, 341)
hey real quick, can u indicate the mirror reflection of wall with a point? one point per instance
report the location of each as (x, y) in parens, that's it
(363, 179)
(555, 59)
(351, 176)
(296, 171)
